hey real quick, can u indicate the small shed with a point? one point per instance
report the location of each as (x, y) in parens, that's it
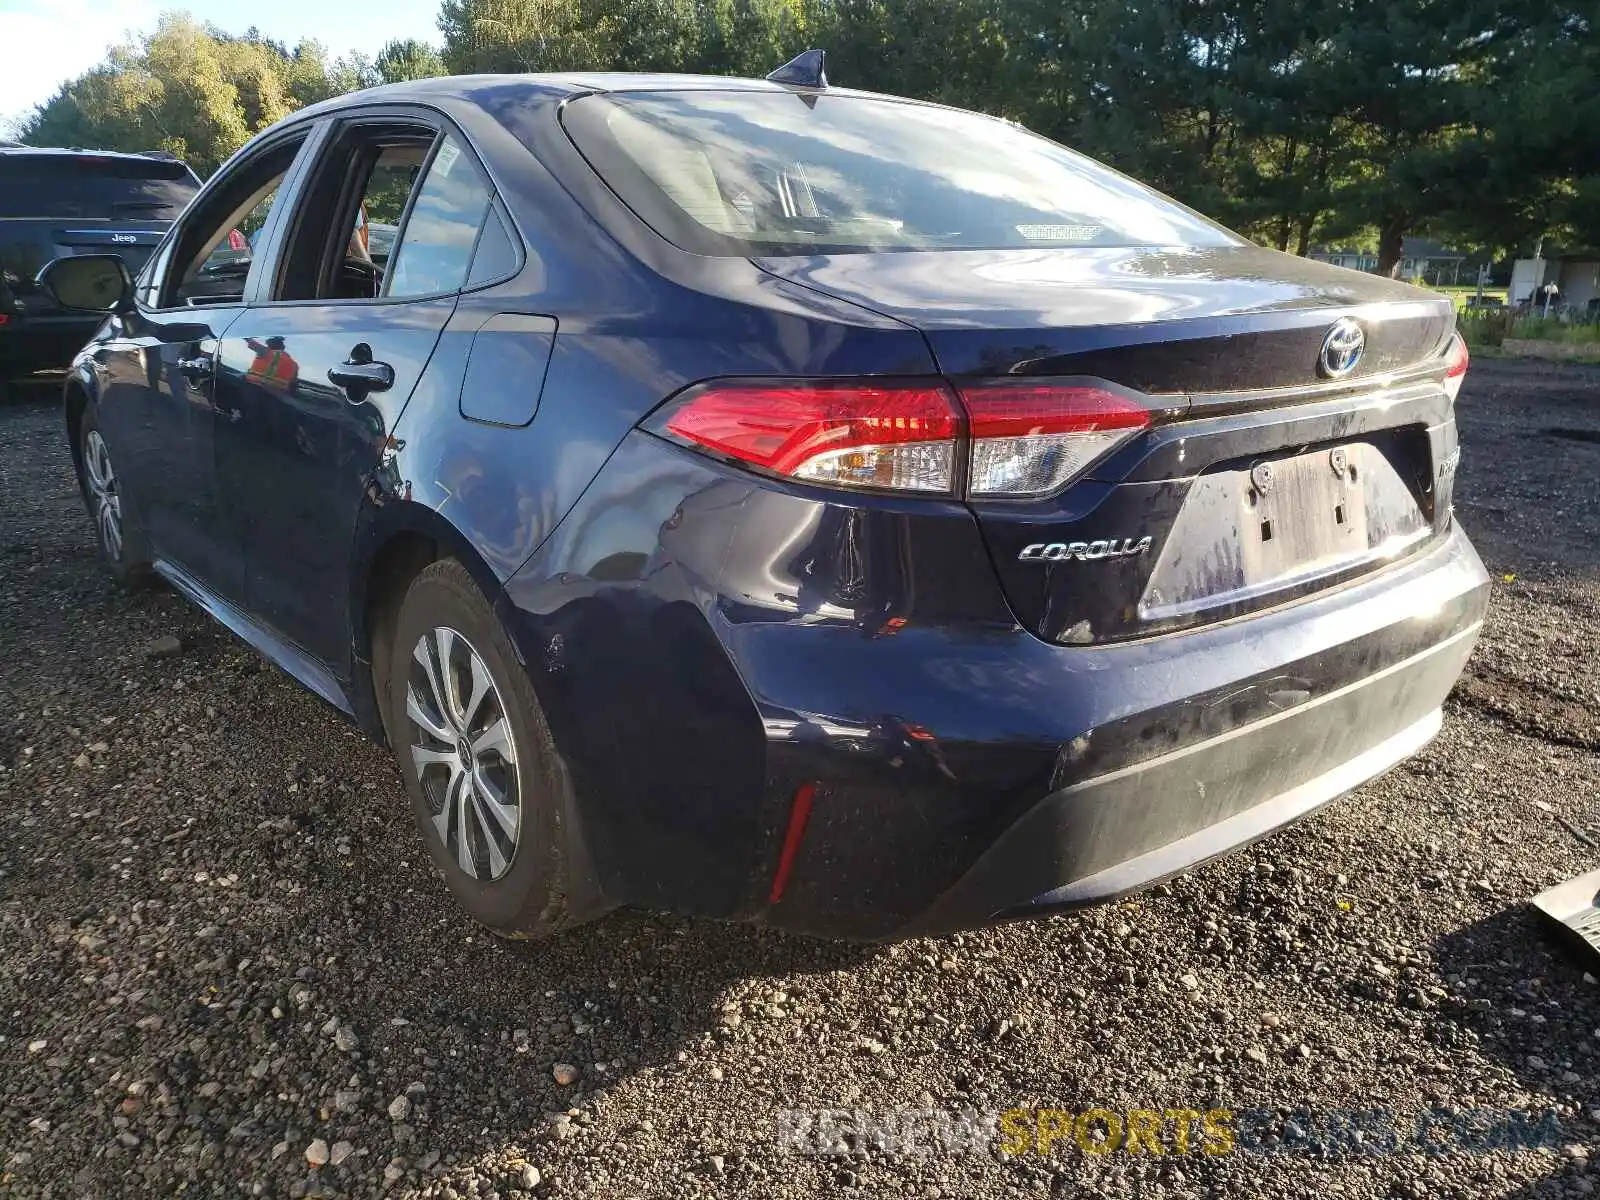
(1577, 280)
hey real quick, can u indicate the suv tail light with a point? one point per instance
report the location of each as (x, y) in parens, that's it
(1015, 438)
(1456, 360)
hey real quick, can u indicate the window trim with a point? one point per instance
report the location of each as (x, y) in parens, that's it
(392, 114)
(147, 284)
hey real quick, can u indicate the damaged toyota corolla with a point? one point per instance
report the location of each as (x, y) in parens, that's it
(767, 500)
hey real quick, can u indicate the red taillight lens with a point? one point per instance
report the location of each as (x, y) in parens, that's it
(1024, 438)
(1029, 439)
(855, 434)
(1456, 361)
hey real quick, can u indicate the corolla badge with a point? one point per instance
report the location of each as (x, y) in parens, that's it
(1342, 348)
(1085, 551)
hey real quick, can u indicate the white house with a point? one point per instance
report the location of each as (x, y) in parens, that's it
(1421, 259)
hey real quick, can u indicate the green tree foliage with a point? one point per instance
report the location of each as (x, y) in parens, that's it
(703, 36)
(1294, 121)
(409, 59)
(1531, 168)
(190, 89)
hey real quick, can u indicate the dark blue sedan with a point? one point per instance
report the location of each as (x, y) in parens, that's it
(772, 501)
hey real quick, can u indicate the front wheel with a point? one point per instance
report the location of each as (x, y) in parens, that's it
(117, 527)
(487, 787)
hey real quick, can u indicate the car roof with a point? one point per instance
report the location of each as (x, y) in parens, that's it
(472, 87)
(477, 89)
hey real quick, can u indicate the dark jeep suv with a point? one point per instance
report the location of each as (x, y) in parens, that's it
(57, 203)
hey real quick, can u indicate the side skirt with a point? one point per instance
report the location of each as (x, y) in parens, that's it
(282, 653)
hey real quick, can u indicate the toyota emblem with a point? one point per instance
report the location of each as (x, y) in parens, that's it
(1342, 348)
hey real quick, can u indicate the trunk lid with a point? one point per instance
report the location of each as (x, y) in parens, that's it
(1262, 479)
(1157, 319)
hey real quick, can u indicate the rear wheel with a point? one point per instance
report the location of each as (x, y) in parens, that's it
(487, 787)
(117, 527)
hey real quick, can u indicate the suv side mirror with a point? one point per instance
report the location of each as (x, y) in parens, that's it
(88, 282)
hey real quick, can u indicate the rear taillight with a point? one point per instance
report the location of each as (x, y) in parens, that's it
(1029, 439)
(1456, 360)
(1016, 438)
(897, 437)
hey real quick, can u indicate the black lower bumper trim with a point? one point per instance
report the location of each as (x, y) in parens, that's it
(1116, 833)
(1242, 828)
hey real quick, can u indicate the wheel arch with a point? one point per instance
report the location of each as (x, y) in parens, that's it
(396, 541)
(76, 392)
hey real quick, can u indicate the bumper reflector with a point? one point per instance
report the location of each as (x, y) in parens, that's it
(1455, 366)
(799, 814)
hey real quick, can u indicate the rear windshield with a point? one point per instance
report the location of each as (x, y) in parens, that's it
(746, 172)
(57, 187)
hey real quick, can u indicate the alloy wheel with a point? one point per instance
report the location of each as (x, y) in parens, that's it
(103, 494)
(464, 753)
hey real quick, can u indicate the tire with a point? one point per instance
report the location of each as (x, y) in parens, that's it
(124, 548)
(511, 882)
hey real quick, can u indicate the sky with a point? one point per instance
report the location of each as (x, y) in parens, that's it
(44, 43)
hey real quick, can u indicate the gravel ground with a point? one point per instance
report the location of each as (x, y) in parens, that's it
(224, 958)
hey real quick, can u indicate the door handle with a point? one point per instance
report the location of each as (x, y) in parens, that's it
(198, 367)
(361, 373)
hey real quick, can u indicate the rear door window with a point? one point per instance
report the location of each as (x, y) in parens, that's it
(392, 163)
(393, 211)
(441, 230)
(753, 172)
(78, 187)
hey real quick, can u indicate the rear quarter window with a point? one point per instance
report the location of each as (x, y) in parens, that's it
(86, 187)
(742, 172)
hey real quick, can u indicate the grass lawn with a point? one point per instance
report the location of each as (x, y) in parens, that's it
(1460, 295)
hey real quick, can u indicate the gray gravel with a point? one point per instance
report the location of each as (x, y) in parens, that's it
(226, 967)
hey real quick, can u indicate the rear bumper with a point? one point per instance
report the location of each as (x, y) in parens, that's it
(727, 648)
(1248, 757)
(1107, 837)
